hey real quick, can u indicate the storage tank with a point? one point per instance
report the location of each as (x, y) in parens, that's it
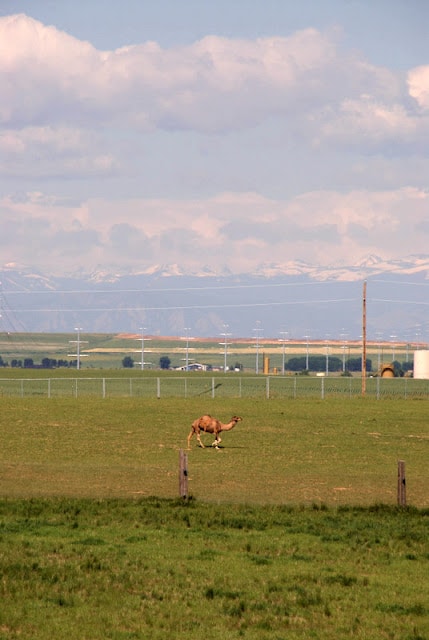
(421, 364)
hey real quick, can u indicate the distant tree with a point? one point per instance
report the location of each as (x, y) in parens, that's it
(407, 366)
(315, 363)
(355, 364)
(16, 363)
(128, 362)
(399, 372)
(49, 363)
(164, 362)
(297, 363)
(2, 362)
(28, 363)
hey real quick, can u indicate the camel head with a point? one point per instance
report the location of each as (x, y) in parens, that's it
(232, 423)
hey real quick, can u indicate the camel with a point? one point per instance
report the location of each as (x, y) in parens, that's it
(211, 425)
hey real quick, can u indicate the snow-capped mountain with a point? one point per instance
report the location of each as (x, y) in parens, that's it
(369, 267)
(295, 296)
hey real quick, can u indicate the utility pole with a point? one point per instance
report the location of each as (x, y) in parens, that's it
(187, 338)
(78, 355)
(225, 346)
(283, 340)
(143, 339)
(307, 354)
(364, 339)
(257, 331)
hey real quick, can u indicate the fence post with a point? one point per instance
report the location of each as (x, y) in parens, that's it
(267, 390)
(322, 389)
(402, 494)
(158, 388)
(183, 474)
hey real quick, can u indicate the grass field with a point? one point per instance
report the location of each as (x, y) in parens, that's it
(292, 530)
(156, 569)
(297, 451)
(108, 350)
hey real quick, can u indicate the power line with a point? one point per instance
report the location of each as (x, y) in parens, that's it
(171, 289)
(196, 306)
(415, 302)
(407, 282)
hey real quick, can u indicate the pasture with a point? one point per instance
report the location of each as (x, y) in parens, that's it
(292, 530)
(107, 351)
(331, 451)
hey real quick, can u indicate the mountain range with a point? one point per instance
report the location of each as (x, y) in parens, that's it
(294, 299)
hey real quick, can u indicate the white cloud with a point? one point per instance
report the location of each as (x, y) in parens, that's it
(223, 113)
(213, 85)
(245, 229)
(418, 84)
(371, 126)
(47, 150)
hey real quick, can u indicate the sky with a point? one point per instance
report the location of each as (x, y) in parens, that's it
(220, 135)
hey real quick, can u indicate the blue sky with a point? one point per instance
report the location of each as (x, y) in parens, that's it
(223, 135)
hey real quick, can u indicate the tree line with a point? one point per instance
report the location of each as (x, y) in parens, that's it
(46, 363)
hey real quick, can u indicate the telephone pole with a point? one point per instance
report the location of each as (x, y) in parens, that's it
(364, 339)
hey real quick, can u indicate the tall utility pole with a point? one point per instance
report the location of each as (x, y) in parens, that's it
(78, 355)
(224, 344)
(327, 357)
(364, 339)
(283, 340)
(344, 347)
(257, 331)
(307, 354)
(187, 338)
(143, 339)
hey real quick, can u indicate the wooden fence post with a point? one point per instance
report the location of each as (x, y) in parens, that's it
(183, 474)
(402, 494)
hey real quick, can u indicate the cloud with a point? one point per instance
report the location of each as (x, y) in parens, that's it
(68, 110)
(188, 135)
(216, 84)
(370, 126)
(246, 230)
(418, 84)
(54, 151)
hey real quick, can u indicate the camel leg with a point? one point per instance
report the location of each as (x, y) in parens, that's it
(216, 442)
(189, 438)
(199, 440)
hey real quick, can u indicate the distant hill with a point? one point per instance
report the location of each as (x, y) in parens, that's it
(295, 297)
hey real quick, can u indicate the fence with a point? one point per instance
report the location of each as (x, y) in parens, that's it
(225, 386)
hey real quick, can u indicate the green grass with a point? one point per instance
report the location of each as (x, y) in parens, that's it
(331, 452)
(292, 530)
(160, 569)
(108, 350)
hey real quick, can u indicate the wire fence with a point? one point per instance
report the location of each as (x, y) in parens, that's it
(261, 386)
